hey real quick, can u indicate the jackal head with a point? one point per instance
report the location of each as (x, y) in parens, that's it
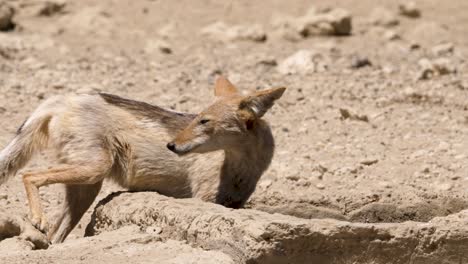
(227, 123)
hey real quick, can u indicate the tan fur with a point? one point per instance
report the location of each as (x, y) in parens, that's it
(105, 136)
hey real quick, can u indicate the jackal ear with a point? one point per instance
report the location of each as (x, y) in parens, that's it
(224, 87)
(259, 102)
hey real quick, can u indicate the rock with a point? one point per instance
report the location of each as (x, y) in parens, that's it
(271, 62)
(286, 28)
(428, 33)
(444, 146)
(265, 184)
(437, 67)
(302, 62)
(347, 114)
(3, 196)
(303, 183)
(337, 22)
(318, 171)
(88, 20)
(383, 17)
(426, 69)
(385, 184)
(320, 186)
(369, 161)
(409, 9)
(153, 46)
(18, 227)
(293, 177)
(51, 7)
(153, 230)
(33, 63)
(447, 186)
(251, 236)
(414, 46)
(443, 49)
(15, 244)
(455, 177)
(6, 16)
(391, 35)
(359, 62)
(341, 21)
(221, 31)
(168, 31)
(331, 22)
(443, 66)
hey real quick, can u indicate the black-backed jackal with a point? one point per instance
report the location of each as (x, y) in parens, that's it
(134, 143)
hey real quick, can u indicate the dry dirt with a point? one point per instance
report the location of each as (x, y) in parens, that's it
(372, 131)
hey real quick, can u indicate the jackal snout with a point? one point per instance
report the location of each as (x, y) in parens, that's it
(171, 146)
(197, 137)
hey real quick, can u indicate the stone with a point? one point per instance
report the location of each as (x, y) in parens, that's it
(265, 184)
(286, 28)
(168, 31)
(347, 114)
(320, 186)
(409, 9)
(15, 244)
(428, 33)
(443, 49)
(18, 227)
(446, 186)
(437, 67)
(336, 22)
(302, 62)
(51, 7)
(383, 17)
(391, 35)
(341, 21)
(369, 161)
(331, 22)
(223, 32)
(360, 62)
(161, 46)
(443, 66)
(6, 16)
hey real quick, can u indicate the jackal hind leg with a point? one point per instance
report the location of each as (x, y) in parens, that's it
(89, 174)
(78, 199)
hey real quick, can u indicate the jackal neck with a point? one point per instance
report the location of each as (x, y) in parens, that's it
(243, 166)
(254, 155)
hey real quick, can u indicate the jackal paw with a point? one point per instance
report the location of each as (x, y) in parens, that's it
(40, 223)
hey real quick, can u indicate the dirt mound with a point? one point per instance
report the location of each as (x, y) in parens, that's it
(250, 236)
(18, 231)
(122, 246)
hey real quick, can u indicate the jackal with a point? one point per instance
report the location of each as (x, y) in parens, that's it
(217, 155)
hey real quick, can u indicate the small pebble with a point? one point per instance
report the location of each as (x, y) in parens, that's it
(359, 62)
(409, 9)
(369, 162)
(320, 186)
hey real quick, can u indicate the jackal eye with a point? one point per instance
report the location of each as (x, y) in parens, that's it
(204, 121)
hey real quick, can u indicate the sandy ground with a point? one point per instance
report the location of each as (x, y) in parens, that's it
(373, 126)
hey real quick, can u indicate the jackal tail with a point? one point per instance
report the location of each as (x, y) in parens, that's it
(31, 137)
